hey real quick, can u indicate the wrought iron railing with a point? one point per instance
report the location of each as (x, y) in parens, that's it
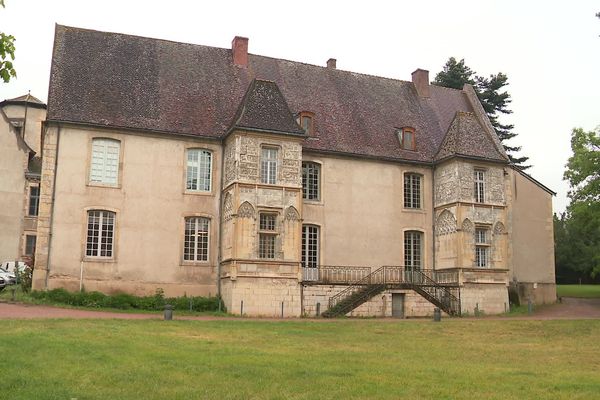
(443, 295)
(334, 274)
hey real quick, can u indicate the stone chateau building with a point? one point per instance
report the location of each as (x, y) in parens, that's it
(287, 188)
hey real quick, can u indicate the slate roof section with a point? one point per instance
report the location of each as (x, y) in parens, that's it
(264, 108)
(163, 86)
(466, 137)
(28, 99)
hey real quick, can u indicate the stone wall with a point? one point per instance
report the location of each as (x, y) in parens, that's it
(487, 298)
(262, 296)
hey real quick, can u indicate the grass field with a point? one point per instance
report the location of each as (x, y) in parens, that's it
(589, 291)
(344, 359)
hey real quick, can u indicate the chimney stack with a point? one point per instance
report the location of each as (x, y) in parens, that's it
(331, 63)
(420, 79)
(239, 50)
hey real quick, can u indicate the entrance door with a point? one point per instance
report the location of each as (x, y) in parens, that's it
(397, 305)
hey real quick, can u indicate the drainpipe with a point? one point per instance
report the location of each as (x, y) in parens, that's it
(433, 217)
(220, 213)
(52, 206)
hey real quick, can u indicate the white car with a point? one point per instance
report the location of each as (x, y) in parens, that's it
(10, 266)
(2, 284)
(8, 277)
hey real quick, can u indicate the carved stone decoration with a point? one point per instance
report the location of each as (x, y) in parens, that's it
(499, 228)
(246, 210)
(227, 207)
(445, 223)
(291, 214)
(468, 226)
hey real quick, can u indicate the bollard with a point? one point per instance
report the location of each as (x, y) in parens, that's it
(191, 304)
(242, 307)
(529, 306)
(437, 315)
(13, 291)
(318, 309)
(168, 312)
(476, 309)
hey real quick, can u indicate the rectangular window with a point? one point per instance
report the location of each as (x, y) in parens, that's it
(105, 161)
(412, 249)
(311, 173)
(310, 246)
(482, 247)
(268, 165)
(412, 191)
(30, 245)
(479, 179)
(266, 235)
(34, 200)
(198, 170)
(407, 138)
(100, 234)
(195, 247)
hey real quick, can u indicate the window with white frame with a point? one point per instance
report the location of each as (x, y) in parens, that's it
(413, 245)
(479, 179)
(196, 240)
(267, 233)
(310, 246)
(34, 201)
(199, 169)
(100, 234)
(30, 245)
(412, 190)
(268, 165)
(311, 175)
(104, 166)
(482, 247)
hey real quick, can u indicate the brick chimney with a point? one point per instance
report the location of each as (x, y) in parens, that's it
(239, 50)
(331, 63)
(420, 79)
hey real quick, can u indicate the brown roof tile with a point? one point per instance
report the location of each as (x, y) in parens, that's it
(118, 80)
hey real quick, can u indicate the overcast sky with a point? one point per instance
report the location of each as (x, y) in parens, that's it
(550, 50)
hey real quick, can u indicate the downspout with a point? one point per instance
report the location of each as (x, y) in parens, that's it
(433, 216)
(52, 206)
(219, 249)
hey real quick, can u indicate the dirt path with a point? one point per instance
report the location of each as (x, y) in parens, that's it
(569, 308)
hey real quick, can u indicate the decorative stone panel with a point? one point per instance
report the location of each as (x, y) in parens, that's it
(445, 223)
(246, 210)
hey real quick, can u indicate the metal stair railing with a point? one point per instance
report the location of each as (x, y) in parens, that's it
(391, 277)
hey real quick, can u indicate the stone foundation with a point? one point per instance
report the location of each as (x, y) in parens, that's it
(487, 298)
(262, 296)
(540, 293)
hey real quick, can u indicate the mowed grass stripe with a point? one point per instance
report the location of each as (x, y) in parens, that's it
(94, 359)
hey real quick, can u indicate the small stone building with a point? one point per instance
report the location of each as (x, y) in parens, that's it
(286, 188)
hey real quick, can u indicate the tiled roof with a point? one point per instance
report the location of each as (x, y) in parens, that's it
(150, 84)
(466, 137)
(264, 108)
(32, 101)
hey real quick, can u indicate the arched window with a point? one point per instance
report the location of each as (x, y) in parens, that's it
(199, 170)
(104, 168)
(196, 241)
(100, 234)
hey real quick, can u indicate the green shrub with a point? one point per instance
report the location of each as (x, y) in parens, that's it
(124, 301)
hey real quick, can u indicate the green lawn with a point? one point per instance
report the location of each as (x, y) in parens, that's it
(578, 291)
(343, 359)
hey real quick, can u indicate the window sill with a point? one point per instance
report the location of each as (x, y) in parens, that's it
(194, 264)
(198, 193)
(312, 202)
(99, 260)
(415, 210)
(103, 185)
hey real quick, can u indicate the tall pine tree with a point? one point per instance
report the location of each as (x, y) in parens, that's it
(494, 101)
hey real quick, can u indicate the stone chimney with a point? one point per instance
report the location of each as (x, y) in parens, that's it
(420, 79)
(239, 50)
(331, 63)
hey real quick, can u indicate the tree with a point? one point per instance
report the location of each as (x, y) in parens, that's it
(489, 91)
(579, 249)
(7, 50)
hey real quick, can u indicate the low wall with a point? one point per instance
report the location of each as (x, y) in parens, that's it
(540, 293)
(488, 298)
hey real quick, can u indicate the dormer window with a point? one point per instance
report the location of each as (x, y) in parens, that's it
(305, 120)
(407, 139)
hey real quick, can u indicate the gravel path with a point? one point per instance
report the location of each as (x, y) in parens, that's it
(569, 308)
